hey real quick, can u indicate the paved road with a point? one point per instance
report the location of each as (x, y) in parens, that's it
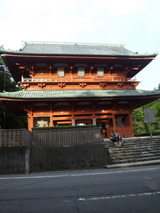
(131, 190)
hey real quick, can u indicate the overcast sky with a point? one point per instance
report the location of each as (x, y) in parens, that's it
(134, 23)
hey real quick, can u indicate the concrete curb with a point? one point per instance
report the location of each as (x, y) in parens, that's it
(141, 163)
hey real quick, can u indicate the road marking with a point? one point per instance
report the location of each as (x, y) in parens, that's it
(114, 172)
(119, 196)
(32, 176)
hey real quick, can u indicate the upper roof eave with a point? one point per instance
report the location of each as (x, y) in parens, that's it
(74, 49)
(19, 54)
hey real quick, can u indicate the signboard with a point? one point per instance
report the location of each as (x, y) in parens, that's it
(149, 116)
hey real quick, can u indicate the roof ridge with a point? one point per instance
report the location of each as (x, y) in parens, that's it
(72, 43)
(75, 48)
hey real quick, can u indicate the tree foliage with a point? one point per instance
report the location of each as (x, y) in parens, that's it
(1, 61)
(6, 81)
(9, 120)
(140, 127)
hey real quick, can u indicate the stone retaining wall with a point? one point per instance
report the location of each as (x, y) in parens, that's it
(14, 160)
(71, 157)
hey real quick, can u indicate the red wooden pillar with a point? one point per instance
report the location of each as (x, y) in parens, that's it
(131, 124)
(114, 121)
(30, 122)
(51, 121)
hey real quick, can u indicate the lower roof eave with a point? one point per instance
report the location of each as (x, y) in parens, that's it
(78, 94)
(150, 97)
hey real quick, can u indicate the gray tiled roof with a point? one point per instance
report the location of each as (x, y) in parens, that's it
(54, 94)
(76, 49)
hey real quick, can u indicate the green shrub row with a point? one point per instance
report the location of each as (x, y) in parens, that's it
(61, 127)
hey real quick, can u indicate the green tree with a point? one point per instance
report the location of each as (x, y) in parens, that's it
(1, 61)
(9, 120)
(140, 127)
(6, 81)
(158, 88)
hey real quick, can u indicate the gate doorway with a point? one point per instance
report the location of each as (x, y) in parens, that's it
(106, 127)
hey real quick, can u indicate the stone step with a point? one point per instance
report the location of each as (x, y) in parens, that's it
(133, 152)
(134, 145)
(136, 150)
(127, 157)
(135, 157)
(136, 141)
(156, 140)
(134, 160)
(140, 143)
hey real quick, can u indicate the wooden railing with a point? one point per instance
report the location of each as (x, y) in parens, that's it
(49, 138)
(12, 137)
(66, 137)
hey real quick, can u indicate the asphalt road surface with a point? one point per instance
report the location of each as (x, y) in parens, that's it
(131, 190)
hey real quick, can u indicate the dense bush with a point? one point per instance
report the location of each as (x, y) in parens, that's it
(142, 128)
(60, 127)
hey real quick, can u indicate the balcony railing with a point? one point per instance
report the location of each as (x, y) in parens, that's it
(37, 79)
(69, 79)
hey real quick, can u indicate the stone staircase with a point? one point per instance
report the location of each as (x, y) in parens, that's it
(134, 150)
